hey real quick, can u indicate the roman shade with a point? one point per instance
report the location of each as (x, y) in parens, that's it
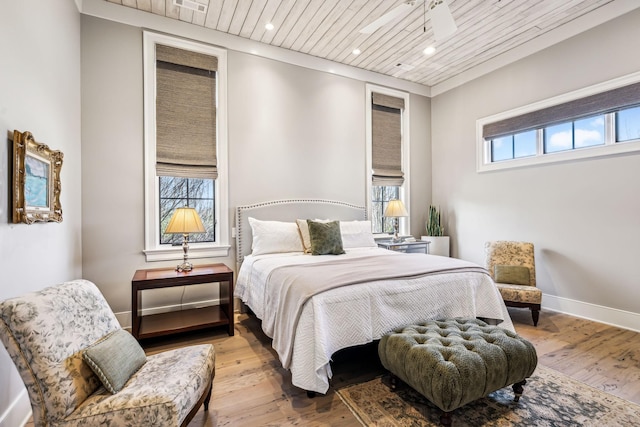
(185, 113)
(386, 118)
(600, 103)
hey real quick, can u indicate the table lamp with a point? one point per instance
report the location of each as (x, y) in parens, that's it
(185, 221)
(395, 209)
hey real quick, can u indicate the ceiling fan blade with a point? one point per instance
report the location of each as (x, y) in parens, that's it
(388, 17)
(441, 20)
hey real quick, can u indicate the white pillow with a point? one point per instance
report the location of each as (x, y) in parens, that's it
(357, 234)
(274, 236)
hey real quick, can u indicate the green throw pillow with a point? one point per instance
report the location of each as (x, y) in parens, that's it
(115, 358)
(512, 274)
(325, 238)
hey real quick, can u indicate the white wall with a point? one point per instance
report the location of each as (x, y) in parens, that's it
(293, 132)
(582, 216)
(40, 93)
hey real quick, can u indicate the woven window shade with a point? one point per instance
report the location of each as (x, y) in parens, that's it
(185, 113)
(599, 103)
(386, 117)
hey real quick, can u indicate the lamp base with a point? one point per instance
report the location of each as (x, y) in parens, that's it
(185, 266)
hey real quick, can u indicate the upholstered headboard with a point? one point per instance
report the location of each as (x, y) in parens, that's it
(289, 210)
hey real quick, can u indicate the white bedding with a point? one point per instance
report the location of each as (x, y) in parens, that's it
(358, 314)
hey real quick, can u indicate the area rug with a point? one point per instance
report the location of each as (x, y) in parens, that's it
(549, 399)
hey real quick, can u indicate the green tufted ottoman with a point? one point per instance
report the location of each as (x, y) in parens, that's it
(456, 361)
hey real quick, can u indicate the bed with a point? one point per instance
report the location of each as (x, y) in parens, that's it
(312, 306)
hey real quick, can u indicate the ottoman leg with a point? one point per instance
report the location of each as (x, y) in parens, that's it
(445, 418)
(394, 381)
(517, 389)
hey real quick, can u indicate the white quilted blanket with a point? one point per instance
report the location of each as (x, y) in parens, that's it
(358, 314)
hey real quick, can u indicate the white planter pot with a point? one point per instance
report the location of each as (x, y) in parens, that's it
(439, 245)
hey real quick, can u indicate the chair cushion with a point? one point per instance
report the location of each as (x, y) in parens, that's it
(520, 293)
(115, 358)
(161, 393)
(512, 274)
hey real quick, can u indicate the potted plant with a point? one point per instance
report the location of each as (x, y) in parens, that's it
(435, 233)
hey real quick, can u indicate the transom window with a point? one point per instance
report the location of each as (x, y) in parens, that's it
(596, 121)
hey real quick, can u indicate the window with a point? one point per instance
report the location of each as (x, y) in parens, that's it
(513, 146)
(379, 201)
(387, 155)
(628, 124)
(596, 121)
(185, 144)
(198, 193)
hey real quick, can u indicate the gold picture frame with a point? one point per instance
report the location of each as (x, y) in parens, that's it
(36, 180)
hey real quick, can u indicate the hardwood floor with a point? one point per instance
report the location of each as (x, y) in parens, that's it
(252, 389)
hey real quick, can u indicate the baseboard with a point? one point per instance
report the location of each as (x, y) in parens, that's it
(124, 317)
(597, 313)
(18, 413)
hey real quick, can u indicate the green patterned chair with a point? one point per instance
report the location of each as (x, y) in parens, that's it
(54, 335)
(512, 267)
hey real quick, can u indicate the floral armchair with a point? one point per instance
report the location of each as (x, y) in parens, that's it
(512, 267)
(46, 334)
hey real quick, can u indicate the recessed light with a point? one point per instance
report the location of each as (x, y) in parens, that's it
(269, 26)
(356, 51)
(429, 50)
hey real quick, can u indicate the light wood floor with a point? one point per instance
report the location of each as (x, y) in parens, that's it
(251, 388)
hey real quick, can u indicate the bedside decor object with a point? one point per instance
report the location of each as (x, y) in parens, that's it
(36, 180)
(395, 209)
(435, 233)
(185, 221)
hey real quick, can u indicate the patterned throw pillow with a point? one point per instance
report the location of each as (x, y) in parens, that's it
(512, 274)
(325, 238)
(115, 358)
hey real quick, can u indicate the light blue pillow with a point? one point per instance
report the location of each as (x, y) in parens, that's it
(115, 358)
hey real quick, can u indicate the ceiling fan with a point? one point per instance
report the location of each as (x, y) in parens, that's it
(439, 15)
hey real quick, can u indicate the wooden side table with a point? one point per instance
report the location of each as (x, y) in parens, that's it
(174, 322)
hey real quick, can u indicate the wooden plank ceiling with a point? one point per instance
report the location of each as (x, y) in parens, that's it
(329, 29)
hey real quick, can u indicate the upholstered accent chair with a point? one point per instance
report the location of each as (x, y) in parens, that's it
(512, 267)
(48, 335)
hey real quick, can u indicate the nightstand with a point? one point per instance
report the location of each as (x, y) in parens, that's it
(419, 246)
(155, 325)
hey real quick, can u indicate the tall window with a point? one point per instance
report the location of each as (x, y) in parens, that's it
(185, 144)
(387, 154)
(596, 121)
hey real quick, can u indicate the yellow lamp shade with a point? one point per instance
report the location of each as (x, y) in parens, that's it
(184, 221)
(395, 209)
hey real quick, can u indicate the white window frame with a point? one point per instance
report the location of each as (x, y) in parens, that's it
(152, 248)
(405, 143)
(610, 148)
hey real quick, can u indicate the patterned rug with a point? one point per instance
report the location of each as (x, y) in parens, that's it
(549, 399)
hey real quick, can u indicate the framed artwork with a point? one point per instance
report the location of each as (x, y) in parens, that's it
(36, 180)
